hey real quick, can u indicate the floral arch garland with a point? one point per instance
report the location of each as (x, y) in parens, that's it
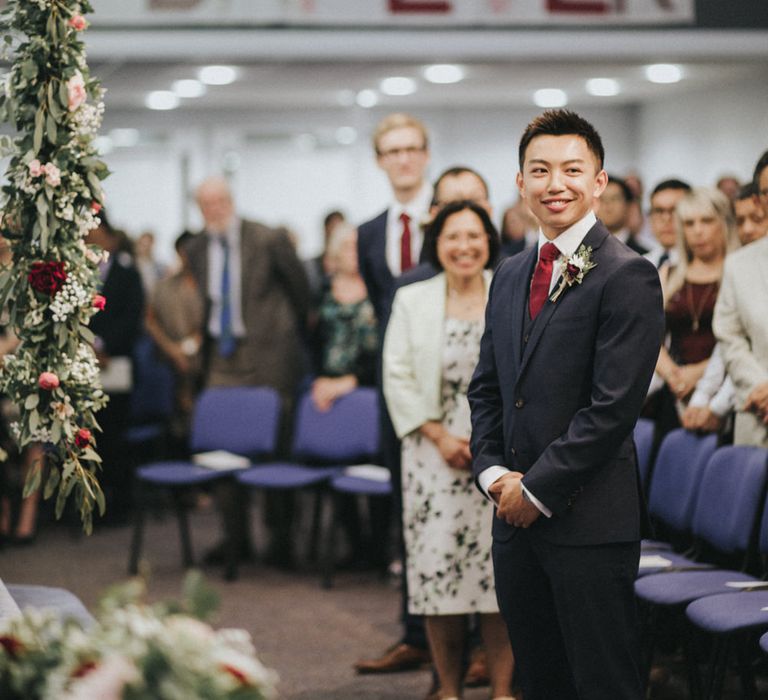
(50, 201)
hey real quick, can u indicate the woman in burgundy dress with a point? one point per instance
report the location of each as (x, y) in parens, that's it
(705, 234)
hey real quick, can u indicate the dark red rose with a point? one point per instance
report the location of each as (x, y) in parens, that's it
(99, 302)
(11, 645)
(572, 270)
(47, 277)
(83, 438)
(236, 673)
(84, 669)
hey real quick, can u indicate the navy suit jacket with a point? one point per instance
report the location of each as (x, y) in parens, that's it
(560, 405)
(372, 260)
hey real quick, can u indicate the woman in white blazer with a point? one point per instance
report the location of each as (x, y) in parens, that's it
(430, 351)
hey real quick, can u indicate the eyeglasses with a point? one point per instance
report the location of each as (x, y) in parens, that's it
(660, 212)
(409, 151)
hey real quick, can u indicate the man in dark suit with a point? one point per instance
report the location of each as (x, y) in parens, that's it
(614, 212)
(573, 330)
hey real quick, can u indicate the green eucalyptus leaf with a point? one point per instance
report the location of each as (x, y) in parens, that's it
(54, 477)
(51, 129)
(37, 139)
(34, 421)
(31, 401)
(29, 69)
(56, 432)
(63, 336)
(32, 482)
(87, 334)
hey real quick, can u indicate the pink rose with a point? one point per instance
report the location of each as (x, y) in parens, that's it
(52, 174)
(76, 91)
(95, 207)
(78, 23)
(99, 302)
(48, 381)
(35, 169)
(83, 438)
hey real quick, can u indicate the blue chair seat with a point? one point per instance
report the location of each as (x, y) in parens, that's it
(178, 473)
(684, 586)
(655, 546)
(764, 643)
(678, 561)
(143, 433)
(65, 604)
(285, 476)
(361, 486)
(726, 613)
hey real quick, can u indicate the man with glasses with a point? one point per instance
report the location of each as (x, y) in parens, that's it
(614, 212)
(741, 326)
(664, 199)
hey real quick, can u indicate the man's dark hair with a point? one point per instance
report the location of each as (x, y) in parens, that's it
(331, 215)
(562, 122)
(762, 164)
(455, 171)
(629, 195)
(434, 230)
(181, 242)
(746, 191)
(671, 184)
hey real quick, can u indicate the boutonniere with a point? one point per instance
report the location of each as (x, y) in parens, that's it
(574, 270)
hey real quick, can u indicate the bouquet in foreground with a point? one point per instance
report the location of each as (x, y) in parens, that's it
(134, 651)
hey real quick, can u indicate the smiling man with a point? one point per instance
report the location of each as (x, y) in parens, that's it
(573, 330)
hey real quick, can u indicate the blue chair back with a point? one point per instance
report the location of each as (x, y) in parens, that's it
(346, 433)
(732, 490)
(243, 420)
(677, 475)
(643, 434)
(152, 396)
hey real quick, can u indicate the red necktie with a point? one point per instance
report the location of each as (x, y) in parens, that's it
(405, 244)
(542, 276)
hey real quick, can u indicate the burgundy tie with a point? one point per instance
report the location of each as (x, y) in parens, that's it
(542, 276)
(405, 244)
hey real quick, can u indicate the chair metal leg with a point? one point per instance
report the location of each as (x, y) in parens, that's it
(316, 540)
(328, 540)
(714, 660)
(649, 620)
(692, 664)
(186, 542)
(138, 531)
(722, 669)
(743, 648)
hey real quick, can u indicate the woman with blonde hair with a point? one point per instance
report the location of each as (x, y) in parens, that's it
(706, 233)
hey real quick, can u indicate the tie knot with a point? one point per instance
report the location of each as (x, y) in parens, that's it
(405, 218)
(549, 252)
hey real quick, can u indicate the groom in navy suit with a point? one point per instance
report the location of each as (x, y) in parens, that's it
(573, 331)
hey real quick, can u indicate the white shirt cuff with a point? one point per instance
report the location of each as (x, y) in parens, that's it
(491, 474)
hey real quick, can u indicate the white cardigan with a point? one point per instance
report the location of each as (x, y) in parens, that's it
(413, 346)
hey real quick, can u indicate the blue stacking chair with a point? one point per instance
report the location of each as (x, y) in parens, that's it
(241, 420)
(677, 474)
(643, 433)
(727, 509)
(323, 443)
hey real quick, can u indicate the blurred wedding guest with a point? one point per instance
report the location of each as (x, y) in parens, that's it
(175, 321)
(637, 223)
(712, 402)
(705, 234)
(317, 268)
(347, 335)
(256, 301)
(751, 220)
(116, 327)
(149, 268)
(741, 325)
(430, 351)
(18, 515)
(387, 246)
(664, 199)
(729, 185)
(518, 229)
(614, 212)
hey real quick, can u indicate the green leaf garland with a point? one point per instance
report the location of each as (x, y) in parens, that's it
(51, 201)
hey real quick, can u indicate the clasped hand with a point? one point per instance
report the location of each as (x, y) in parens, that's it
(757, 401)
(512, 506)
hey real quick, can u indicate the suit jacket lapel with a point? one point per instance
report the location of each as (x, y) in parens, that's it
(520, 300)
(594, 239)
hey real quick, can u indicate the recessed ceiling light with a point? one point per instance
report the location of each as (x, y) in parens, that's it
(550, 97)
(444, 73)
(188, 88)
(162, 99)
(603, 87)
(346, 135)
(664, 73)
(217, 75)
(367, 98)
(398, 85)
(124, 138)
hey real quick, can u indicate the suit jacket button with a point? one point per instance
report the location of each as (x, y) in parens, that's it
(519, 403)
(512, 451)
(525, 338)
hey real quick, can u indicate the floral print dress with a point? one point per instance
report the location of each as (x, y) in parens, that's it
(446, 520)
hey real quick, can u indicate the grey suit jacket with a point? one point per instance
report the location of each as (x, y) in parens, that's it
(275, 299)
(741, 326)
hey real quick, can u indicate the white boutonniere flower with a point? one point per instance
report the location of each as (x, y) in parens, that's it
(574, 269)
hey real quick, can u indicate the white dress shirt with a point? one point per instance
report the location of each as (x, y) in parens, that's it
(417, 210)
(715, 389)
(215, 268)
(567, 243)
(655, 254)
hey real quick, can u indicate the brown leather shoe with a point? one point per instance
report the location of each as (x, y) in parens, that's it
(477, 673)
(400, 657)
